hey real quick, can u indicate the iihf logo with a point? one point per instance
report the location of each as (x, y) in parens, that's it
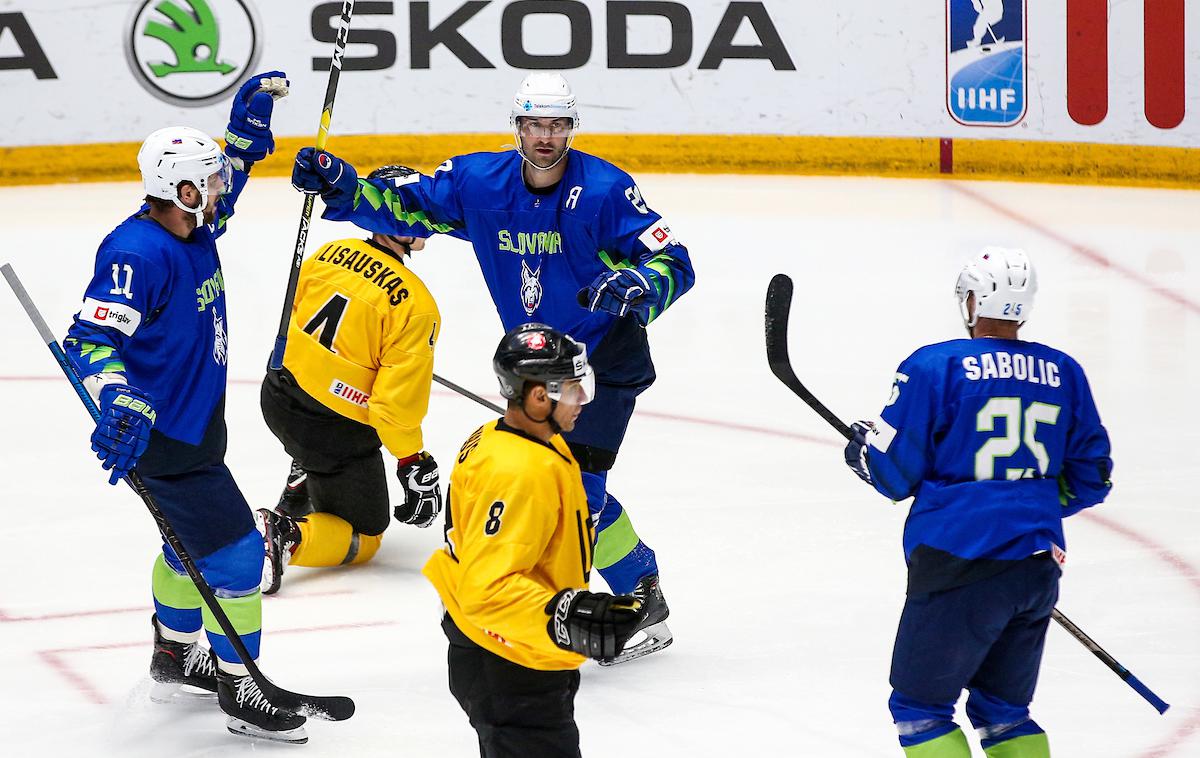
(986, 67)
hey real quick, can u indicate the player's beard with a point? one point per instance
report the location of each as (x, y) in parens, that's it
(546, 160)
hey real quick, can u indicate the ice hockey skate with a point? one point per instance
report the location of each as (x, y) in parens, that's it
(281, 535)
(252, 715)
(180, 670)
(294, 501)
(652, 635)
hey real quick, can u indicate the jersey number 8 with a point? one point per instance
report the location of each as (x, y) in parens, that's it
(1009, 409)
(492, 525)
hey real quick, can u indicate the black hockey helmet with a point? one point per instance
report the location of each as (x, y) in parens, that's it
(391, 171)
(542, 354)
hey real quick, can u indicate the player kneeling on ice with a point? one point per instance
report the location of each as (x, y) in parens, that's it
(999, 440)
(356, 376)
(562, 238)
(151, 345)
(514, 572)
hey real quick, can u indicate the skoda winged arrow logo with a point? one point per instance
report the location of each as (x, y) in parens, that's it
(191, 52)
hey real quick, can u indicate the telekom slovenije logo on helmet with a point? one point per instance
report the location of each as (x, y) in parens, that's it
(191, 52)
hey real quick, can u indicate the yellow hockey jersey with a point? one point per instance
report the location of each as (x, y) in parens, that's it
(361, 340)
(517, 532)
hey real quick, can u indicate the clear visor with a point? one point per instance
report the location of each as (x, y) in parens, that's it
(221, 183)
(579, 391)
(532, 127)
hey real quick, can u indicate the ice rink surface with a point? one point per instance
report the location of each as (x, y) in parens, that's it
(784, 572)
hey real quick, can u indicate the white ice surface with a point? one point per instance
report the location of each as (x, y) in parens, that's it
(783, 571)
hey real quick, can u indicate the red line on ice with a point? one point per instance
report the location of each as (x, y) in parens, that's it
(54, 658)
(1094, 256)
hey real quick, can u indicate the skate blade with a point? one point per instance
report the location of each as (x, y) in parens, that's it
(165, 693)
(297, 736)
(658, 637)
(269, 584)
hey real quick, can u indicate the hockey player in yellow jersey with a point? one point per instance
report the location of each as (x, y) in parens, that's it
(356, 377)
(514, 572)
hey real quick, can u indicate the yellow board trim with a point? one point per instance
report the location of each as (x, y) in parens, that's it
(1069, 162)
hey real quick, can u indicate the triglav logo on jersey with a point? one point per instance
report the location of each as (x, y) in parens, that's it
(985, 61)
(191, 52)
(531, 288)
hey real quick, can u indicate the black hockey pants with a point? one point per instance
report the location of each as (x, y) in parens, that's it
(517, 712)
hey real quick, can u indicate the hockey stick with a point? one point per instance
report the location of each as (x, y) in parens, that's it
(1111, 662)
(468, 394)
(334, 708)
(778, 308)
(335, 70)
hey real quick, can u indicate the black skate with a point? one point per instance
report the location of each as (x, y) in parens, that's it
(294, 501)
(652, 634)
(281, 535)
(252, 715)
(175, 665)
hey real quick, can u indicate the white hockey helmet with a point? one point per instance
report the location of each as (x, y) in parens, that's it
(544, 95)
(1004, 284)
(179, 154)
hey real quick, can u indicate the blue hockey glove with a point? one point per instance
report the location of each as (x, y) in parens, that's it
(123, 431)
(626, 290)
(318, 171)
(856, 449)
(248, 135)
(418, 476)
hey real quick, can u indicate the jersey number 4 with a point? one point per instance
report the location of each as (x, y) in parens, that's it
(327, 320)
(1009, 409)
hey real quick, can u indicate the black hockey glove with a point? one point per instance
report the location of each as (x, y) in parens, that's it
(594, 624)
(418, 476)
(856, 449)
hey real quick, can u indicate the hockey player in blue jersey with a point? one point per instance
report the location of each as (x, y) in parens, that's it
(564, 238)
(151, 345)
(998, 440)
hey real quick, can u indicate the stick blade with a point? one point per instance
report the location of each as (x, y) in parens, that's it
(327, 708)
(779, 305)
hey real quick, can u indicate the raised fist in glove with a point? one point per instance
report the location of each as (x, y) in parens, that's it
(593, 624)
(857, 455)
(626, 290)
(248, 136)
(123, 431)
(418, 476)
(319, 171)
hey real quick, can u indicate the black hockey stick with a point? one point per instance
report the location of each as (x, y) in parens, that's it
(468, 394)
(779, 306)
(335, 70)
(334, 708)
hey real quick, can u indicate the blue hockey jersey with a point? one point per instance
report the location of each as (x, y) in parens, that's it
(537, 249)
(154, 311)
(998, 440)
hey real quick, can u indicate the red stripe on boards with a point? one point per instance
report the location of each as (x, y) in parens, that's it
(1087, 60)
(1164, 62)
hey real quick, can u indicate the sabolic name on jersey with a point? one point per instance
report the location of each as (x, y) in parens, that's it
(116, 315)
(1003, 365)
(349, 394)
